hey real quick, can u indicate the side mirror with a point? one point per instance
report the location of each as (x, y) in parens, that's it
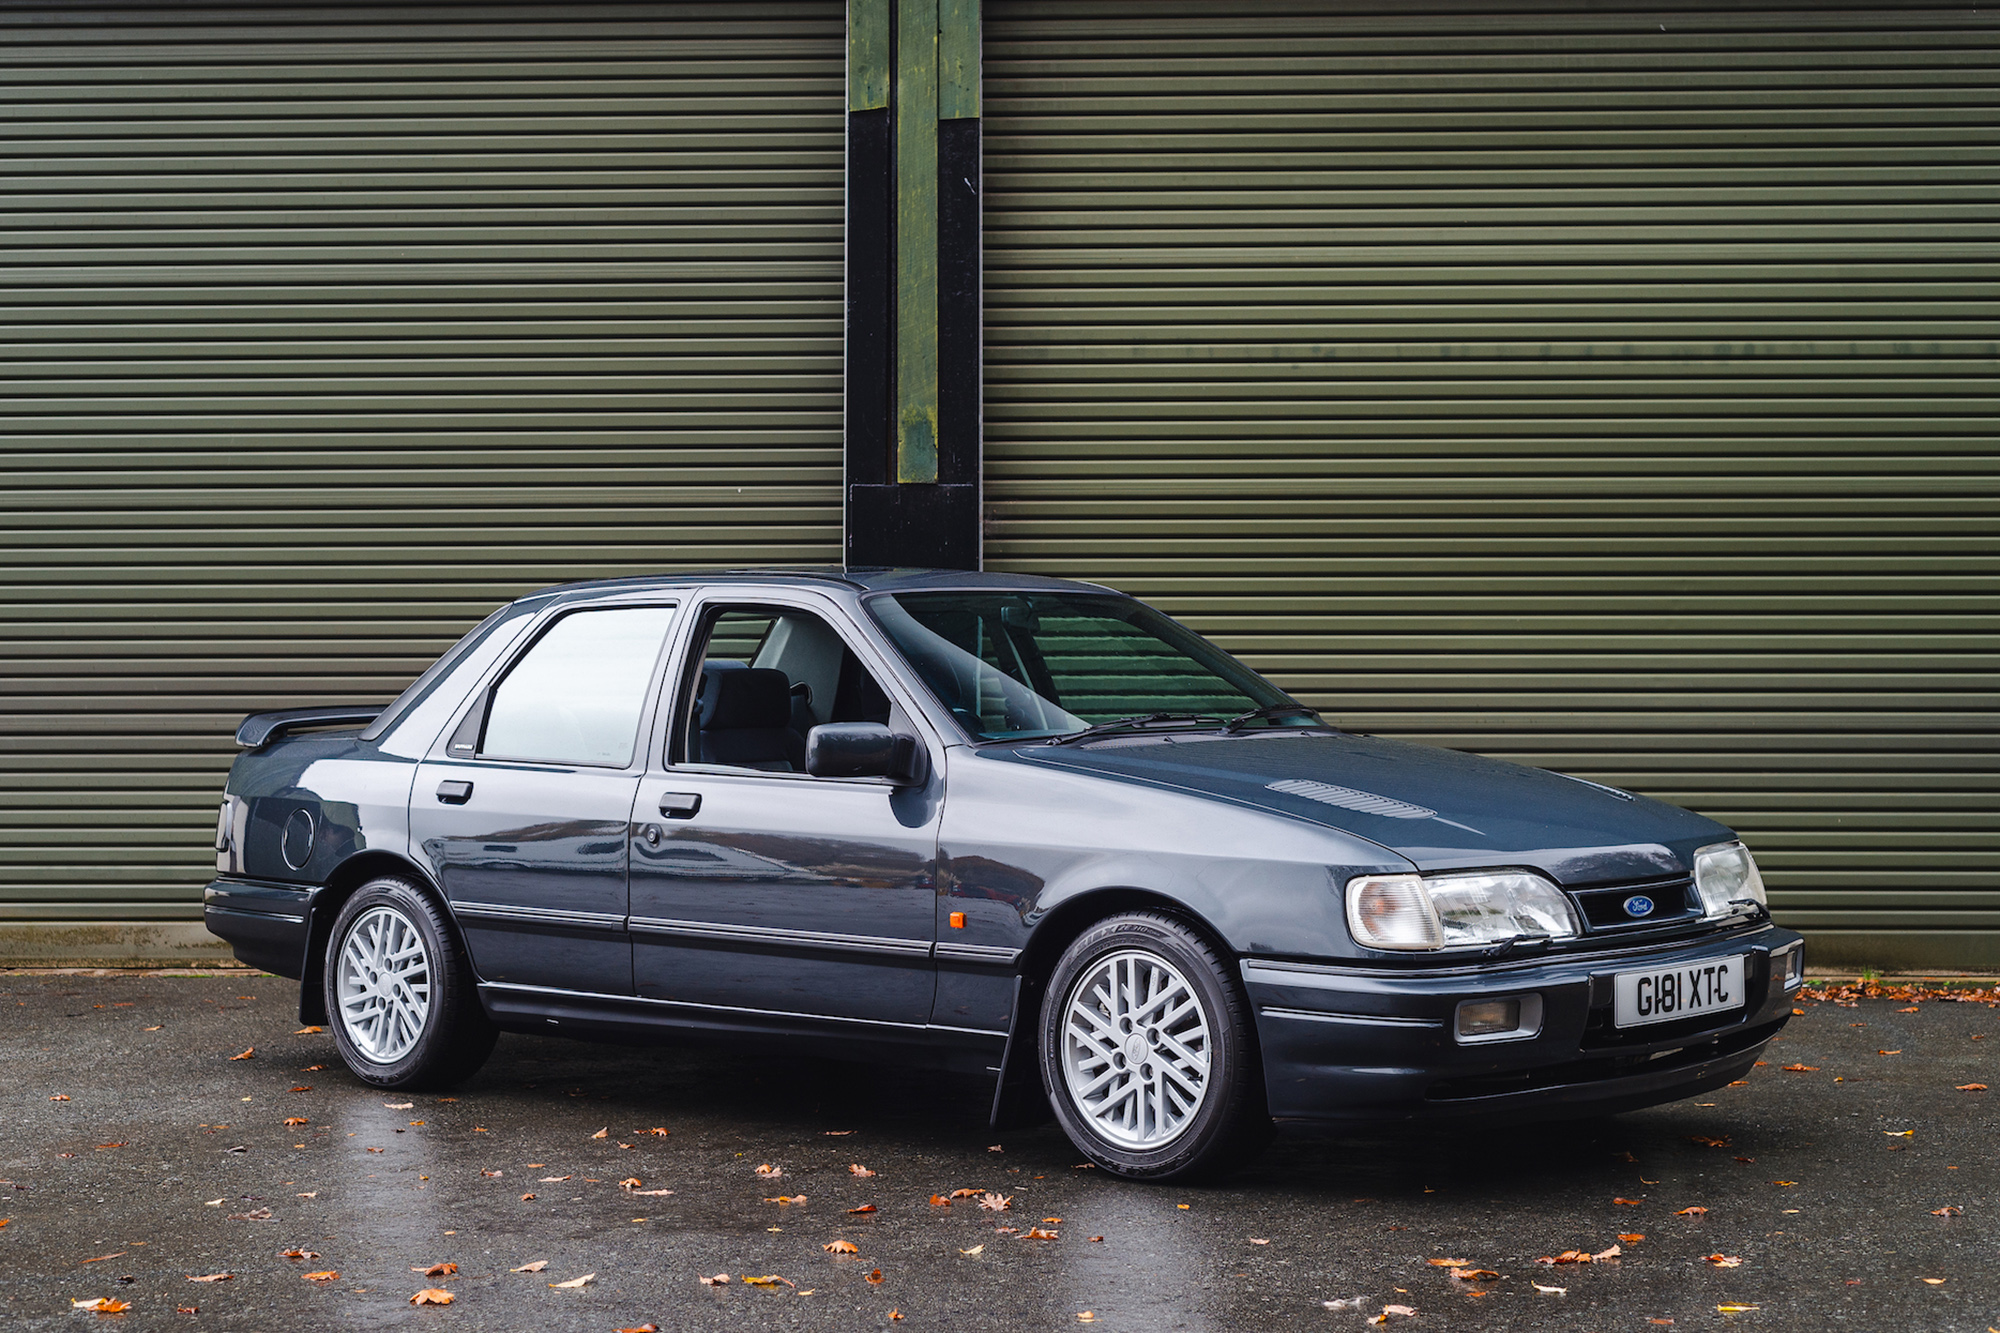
(864, 750)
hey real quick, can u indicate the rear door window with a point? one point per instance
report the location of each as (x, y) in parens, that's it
(576, 697)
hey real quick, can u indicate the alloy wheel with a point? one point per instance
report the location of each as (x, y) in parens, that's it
(384, 985)
(1136, 1049)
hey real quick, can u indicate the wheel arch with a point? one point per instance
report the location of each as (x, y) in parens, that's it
(324, 909)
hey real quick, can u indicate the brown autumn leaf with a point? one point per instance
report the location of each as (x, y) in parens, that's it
(1949, 1210)
(895, 1316)
(995, 1202)
(719, 1280)
(1040, 1233)
(247, 1053)
(662, 1132)
(526, 1197)
(254, 1215)
(875, 1278)
(1448, 1263)
(532, 1266)
(491, 1174)
(304, 1087)
(293, 1120)
(1602, 1255)
(648, 1327)
(574, 1282)
(1629, 1203)
(1911, 1010)
(1971, 1087)
(103, 1305)
(433, 1296)
(309, 1031)
(1097, 1238)
(1746, 1159)
(654, 1194)
(1723, 1260)
(786, 1198)
(604, 1133)
(552, 1180)
(1932, 1281)
(437, 1270)
(1696, 1211)
(102, 1257)
(187, 1309)
(630, 1183)
(864, 1208)
(1632, 1238)
(1474, 1274)
(966, 1194)
(770, 1172)
(841, 1247)
(1897, 1051)
(856, 1169)
(1709, 1140)
(939, 1201)
(329, 1276)
(298, 1254)
(1801, 1069)
(1786, 1183)
(60, 1097)
(1399, 1309)
(211, 1277)
(772, 1280)
(102, 1146)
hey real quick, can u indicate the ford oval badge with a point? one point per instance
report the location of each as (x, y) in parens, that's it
(1638, 905)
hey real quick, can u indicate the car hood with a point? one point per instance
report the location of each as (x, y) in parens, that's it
(1441, 809)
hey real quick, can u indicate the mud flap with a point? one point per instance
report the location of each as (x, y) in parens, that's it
(1018, 1099)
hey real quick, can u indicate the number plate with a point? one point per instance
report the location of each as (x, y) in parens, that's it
(1678, 992)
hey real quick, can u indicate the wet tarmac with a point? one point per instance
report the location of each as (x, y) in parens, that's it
(136, 1154)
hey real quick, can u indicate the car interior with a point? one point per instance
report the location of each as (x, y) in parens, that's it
(769, 675)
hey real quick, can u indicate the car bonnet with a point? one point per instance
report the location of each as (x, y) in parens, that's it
(1441, 809)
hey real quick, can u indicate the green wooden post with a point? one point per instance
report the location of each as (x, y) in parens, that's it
(916, 108)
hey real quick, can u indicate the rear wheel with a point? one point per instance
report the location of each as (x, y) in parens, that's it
(1148, 1052)
(399, 989)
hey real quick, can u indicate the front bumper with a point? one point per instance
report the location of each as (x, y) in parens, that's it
(265, 924)
(1355, 1043)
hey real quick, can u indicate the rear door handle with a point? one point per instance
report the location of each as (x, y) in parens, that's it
(680, 804)
(453, 792)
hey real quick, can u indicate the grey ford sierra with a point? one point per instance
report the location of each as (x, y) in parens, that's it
(1010, 825)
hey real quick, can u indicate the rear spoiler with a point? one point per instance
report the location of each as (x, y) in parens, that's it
(261, 727)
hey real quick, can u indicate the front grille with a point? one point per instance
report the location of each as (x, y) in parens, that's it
(1607, 910)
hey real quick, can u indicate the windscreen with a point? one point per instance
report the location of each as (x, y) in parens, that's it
(1024, 664)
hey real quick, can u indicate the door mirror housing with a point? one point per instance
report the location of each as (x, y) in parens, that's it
(865, 750)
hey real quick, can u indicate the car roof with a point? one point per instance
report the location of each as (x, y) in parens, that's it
(850, 578)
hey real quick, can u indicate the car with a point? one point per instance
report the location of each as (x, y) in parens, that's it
(1024, 827)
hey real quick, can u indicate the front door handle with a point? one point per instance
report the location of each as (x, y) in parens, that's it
(454, 792)
(680, 804)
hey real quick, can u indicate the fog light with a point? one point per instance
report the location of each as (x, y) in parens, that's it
(1483, 1018)
(1515, 1018)
(1795, 966)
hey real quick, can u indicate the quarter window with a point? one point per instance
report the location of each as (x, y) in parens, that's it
(576, 696)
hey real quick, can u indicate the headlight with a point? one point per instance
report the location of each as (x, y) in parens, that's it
(1456, 911)
(1727, 878)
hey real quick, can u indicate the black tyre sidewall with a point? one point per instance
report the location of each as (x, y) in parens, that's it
(1231, 1113)
(457, 1035)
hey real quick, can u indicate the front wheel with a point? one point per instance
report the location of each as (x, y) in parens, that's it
(1149, 1054)
(400, 991)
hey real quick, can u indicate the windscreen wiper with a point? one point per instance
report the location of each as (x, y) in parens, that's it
(1138, 722)
(1273, 711)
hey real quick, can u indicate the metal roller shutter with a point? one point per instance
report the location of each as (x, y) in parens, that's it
(1607, 388)
(327, 328)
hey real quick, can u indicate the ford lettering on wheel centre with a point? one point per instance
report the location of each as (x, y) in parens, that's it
(1007, 824)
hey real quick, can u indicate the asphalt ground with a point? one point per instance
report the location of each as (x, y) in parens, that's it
(136, 1154)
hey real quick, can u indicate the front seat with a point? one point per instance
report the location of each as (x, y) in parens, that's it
(746, 721)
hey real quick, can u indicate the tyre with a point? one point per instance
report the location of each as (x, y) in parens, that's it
(1149, 1054)
(403, 1006)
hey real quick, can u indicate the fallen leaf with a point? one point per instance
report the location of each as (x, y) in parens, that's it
(856, 1169)
(492, 1174)
(719, 1280)
(1040, 1233)
(1398, 1309)
(1894, 1052)
(836, 1133)
(551, 1180)
(772, 1280)
(1801, 1069)
(1632, 1238)
(1085, 1317)
(875, 1278)
(604, 1133)
(841, 1247)
(526, 1197)
(102, 1146)
(1473, 1274)
(60, 1097)
(1350, 1303)
(977, 1249)
(966, 1194)
(647, 1327)
(1723, 1260)
(437, 1270)
(1629, 1203)
(1971, 1087)
(103, 1305)
(895, 1315)
(1553, 1291)
(1746, 1159)
(1899, 1133)
(1611, 1253)
(573, 1283)
(1096, 1238)
(102, 1257)
(1709, 1141)
(248, 1052)
(254, 1215)
(1933, 1281)
(211, 1277)
(293, 1120)
(630, 1183)
(996, 1148)
(655, 1130)
(328, 1276)
(1696, 1211)
(299, 1254)
(655, 1194)
(532, 1266)
(309, 1031)
(939, 1201)
(187, 1309)
(306, 1087)
(433, 1296)
(1911, 1010)
(770, 1172)
(1949, 1210)
(1786, 1183)
(1254, 1240)
(1448, 1263)
(998, 1203)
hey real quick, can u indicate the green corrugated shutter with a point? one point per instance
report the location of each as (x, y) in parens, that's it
(325, 329)
(1607, 388)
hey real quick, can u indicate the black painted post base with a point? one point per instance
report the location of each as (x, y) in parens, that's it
(909, 526)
